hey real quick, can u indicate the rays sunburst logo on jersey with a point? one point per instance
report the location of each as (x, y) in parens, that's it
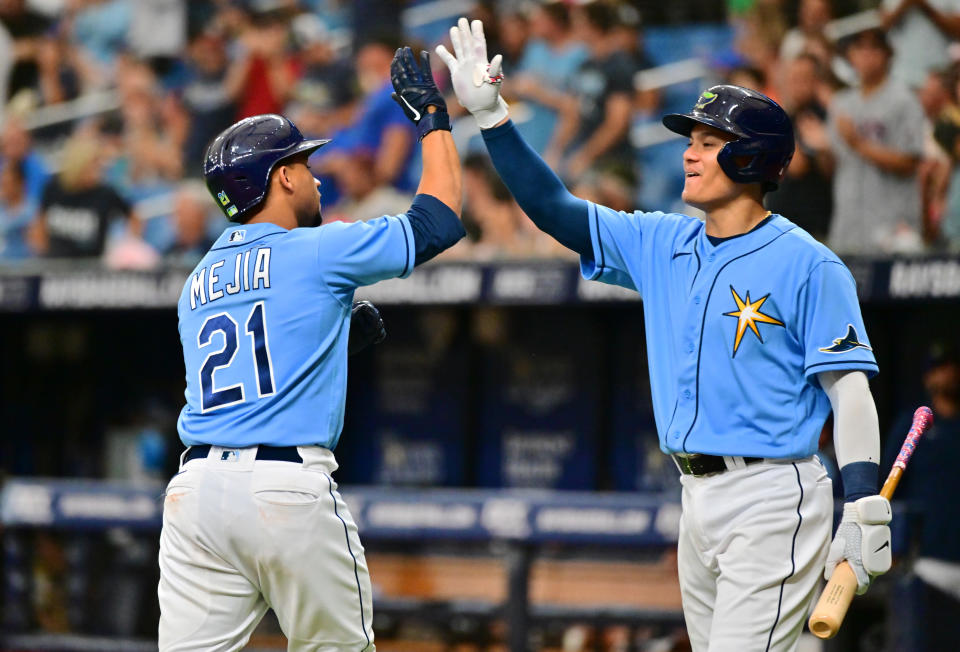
(748, 316)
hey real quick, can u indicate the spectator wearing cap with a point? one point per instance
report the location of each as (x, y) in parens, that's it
(920, 32)
(928, 598)
(17, 213)
(877, 141)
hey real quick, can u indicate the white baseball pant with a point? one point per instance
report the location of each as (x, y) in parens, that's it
(753, 542)
(240, 535)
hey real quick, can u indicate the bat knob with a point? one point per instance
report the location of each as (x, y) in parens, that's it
(923, 417)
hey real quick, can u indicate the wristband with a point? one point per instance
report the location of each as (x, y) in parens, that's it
(859, 480)
(433, 122)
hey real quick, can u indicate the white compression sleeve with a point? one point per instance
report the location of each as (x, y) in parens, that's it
(856, 429)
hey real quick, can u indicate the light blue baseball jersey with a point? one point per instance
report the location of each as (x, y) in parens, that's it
(736, 332)
(264, 324)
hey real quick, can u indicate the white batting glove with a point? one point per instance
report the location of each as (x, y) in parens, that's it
(475, 82)
(863, 539)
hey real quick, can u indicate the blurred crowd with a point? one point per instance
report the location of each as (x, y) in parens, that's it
(106, 107)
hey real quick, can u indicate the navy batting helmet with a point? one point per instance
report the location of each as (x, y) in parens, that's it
(239, 161)
(763, 130)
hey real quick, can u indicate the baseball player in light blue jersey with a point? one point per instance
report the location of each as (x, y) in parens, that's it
(253, 520)
(753, 333)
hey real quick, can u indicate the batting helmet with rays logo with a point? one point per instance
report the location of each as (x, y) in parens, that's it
(239, 161)
(764, 141)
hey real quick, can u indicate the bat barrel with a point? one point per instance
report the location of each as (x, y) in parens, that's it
(833, 604)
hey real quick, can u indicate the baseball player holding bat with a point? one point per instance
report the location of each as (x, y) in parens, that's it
(253, 519)
(753, 334)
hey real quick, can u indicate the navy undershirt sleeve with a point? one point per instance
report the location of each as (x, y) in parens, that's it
(538, 190)
(435, 227)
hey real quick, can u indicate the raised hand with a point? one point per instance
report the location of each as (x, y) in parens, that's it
(475, 81)
(415, 91)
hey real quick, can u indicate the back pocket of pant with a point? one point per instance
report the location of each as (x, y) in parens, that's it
(288, 497)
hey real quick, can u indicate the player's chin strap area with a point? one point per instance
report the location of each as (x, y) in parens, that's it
(698, 464)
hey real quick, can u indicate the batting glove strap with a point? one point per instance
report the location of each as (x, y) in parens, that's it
(863, 540)
(438, 120)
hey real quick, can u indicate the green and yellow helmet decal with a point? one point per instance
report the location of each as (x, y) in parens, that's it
(705, 99)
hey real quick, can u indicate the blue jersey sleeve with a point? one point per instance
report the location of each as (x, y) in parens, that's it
(831, 326)
(616, 238)
(362, 253)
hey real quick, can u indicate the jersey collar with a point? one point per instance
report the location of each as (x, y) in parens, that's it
(774, 226)
(240, 235)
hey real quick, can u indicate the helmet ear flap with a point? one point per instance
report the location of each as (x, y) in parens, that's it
(728, 157)
(751, 167)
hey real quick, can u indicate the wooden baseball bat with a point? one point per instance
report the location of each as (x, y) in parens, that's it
(828, 615)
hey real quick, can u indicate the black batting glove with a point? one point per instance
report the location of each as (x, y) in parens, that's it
(415, 90)
(366, 327)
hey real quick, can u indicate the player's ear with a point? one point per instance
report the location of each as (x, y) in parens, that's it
(282, 174)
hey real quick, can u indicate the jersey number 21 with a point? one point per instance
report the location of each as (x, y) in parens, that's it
(212, 398)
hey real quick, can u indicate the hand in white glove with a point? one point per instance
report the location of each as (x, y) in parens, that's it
(863, 539)
(475, 82)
